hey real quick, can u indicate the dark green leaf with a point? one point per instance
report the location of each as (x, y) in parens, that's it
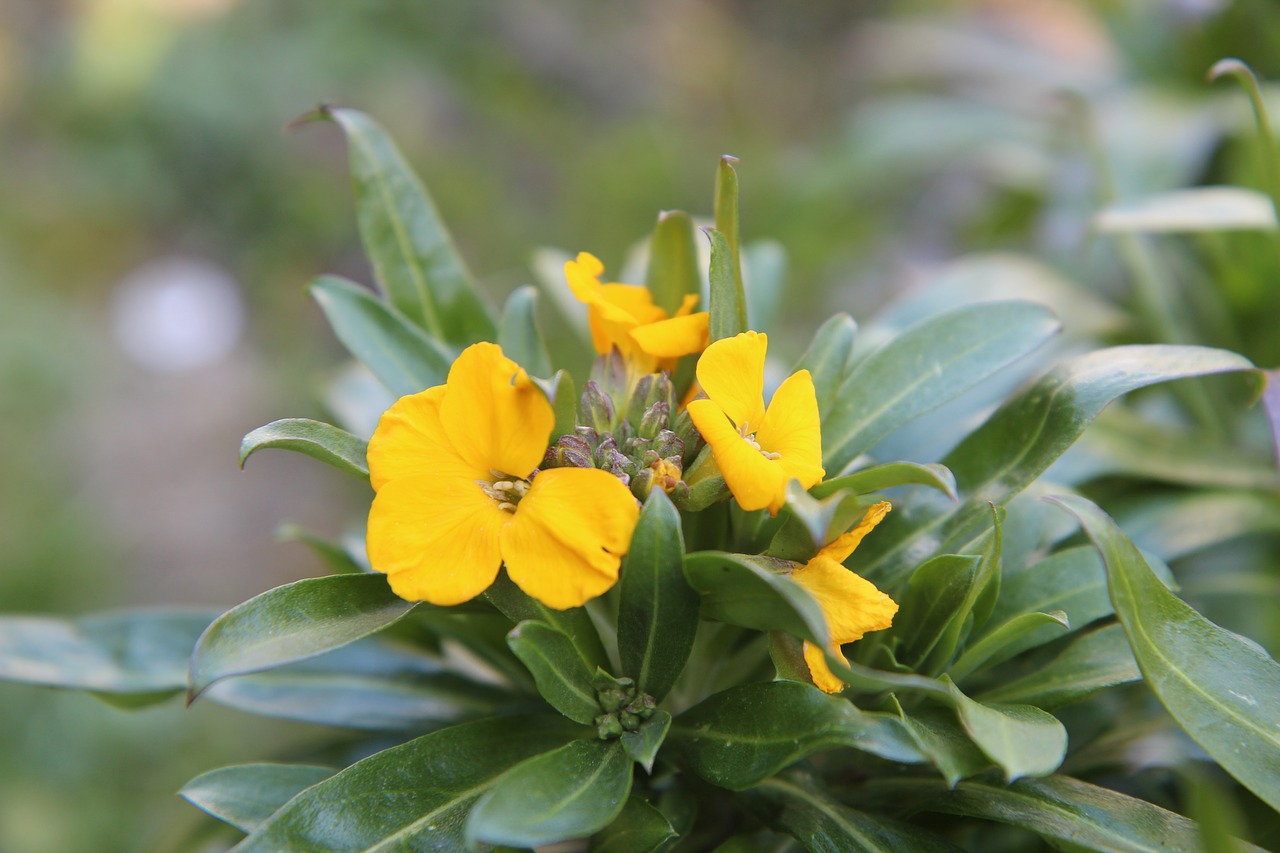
(570, 792)
(1072, 581)
(1011, 638)
(1022, 739)
(933, 610)
(411, 797)
(888, 476)
(741, 591)
(292, 622)
(726, 216)
(558, 669)
(942, 740)
(565, 404)
(639, 828)
(658, 611)
(246, 795)
(1093, 661)
(339, 559)
(727, 305)
(643, 745)
(575, 622)
(924, 367)
(402, 358)
(1222, 690)
(329, 444)
(740, 736)
(673, 272)
(519, 335)
(827, 358)
(140, 655)
(412, 254)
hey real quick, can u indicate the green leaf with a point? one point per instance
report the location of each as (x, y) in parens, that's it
(1177, 525)
(888, 476)
(1093, 661)
(292, 622)
(673, 272)
(137, 656)
(558, 669)
(1012, 638)
(726, 216)
(657, 611)
(727, 305)
(740, 736)
(739, 590)
(519, 335)
(369, 685)
(822, 825)
(412, 254)
(1223, 690)
(638, 828)
(924, 367)
(933, 610)
(643, 745)
(1022, 739)
(335, 555)
(570, 792)
(1076, 814)
(565, 405)
(413, 796)
(246, 795)
(329, 444)
(941, 739)
(1191, 210)
(402, 358)
(827, 358)
(575, 622)
(764, 272)
(1072, 581)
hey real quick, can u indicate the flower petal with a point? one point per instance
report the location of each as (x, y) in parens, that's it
(823, 678)
(493, 414)
(437, 539)
(852, 604)
(687, 305)
(756, 482)
(569, 534)
(842, 546)
(791, 428)
(675, 337)
(731, 372)
(410, 441)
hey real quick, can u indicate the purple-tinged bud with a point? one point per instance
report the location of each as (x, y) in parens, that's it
(596, 409)
(655, 419)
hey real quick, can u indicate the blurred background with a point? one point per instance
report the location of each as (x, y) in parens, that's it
(158, 226)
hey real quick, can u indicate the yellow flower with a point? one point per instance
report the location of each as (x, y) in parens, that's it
(457, 494)
(624, 316)
(851, 604)
(758, 451)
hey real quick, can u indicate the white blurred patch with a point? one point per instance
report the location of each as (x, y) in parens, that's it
(177, 314)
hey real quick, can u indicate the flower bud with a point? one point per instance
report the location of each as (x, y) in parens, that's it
(655, 419)
(596, 409)
(688, 435)
(608, 727)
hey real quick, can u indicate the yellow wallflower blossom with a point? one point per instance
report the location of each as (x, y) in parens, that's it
(758, 451)
(624, 316)
(453, 468)
(851, 604)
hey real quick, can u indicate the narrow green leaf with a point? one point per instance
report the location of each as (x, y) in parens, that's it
(410, 249)
(1022, 739)
(739, 590)
(1269, 153)
(643, 745)
(336, 556)
(1174, 526)
(329, 444)
(1011, 638)
(140, 655)
(558, 669)
(822, 825)
(673, 272)
(402, 358)
(564, 404)
(519, 334)
(570, 792)
(575, 622)
(1191, 210)
(292, 622)
(740, 736)
(726, 215)
(933, 610)
(941, 739)
(1093, 661)
(658, 610)
(246, 795)
(924, 367)
(415, 796)
(888, 476)
(726, 295)
(764, 279)
(827, 358)
(1223, 690)
(1072, 581)
(638, 828)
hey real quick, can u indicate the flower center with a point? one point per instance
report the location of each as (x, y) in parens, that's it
(505, 489)
(744, 430)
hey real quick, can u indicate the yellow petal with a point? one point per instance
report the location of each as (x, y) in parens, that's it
(822, 676)
(731, 372)
(756, 482)
(493, 414)
(673, 338)
(792, 429)
(630, 302)
(569, 534)
(852, 604)
(687, 305)
(410, 441)
(437, 539)
(583, 275)
(843, 545)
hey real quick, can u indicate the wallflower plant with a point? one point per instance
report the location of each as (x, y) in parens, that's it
(584, 611)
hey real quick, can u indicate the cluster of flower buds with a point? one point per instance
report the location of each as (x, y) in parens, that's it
(643, 444)
(624, 707)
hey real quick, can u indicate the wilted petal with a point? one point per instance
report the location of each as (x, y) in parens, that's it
(731, 372)
(569, 534)
(823, 678)
(851, 604)
(842, 546)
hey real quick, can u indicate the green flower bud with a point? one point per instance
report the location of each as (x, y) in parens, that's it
(596, 409)
(608, 727)
(655, 419)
